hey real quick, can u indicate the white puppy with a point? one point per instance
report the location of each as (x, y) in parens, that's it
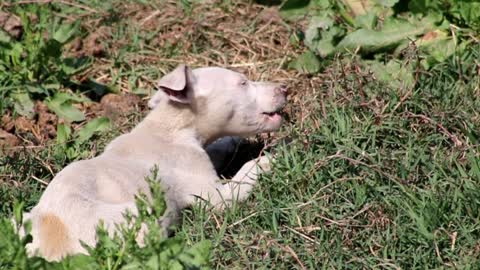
(191, 109)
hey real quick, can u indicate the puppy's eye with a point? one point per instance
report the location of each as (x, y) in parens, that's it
(243, 82)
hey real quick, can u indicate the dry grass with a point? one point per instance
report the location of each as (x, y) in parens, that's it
(249, 38)
(134, 44)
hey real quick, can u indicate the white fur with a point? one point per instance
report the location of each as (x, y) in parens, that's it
(192, 109)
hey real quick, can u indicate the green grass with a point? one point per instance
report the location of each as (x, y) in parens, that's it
(365, 186)
(368, 176)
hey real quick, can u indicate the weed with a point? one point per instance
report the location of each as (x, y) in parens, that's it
(34, 67)
(118, 252)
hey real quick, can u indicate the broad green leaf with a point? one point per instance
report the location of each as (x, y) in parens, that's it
(296, 9)
(440, 51)
(134, 266)
(23, 104)
(74, 65)
(359, 7)
(66, 32)
(467, 13)
(393, 73)
(326, 45)
(61, 104)
(198, 254)
(16, 54)
(63, 133)
(66, 111)
(92, 127)
(434, 43)
(35, 89)
(320, 35)
(54, 87)
(422, 6)
(392, 33)
(438, 46)
(367, 21)
(140, 91)
(80, 261)
(306, 63)
(174, 265)
(321, 4)
(315, 25)
(62, 97)
(4, 37)
(152, 263)
(387, 3)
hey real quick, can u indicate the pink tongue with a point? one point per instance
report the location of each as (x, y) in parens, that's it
(275, 117)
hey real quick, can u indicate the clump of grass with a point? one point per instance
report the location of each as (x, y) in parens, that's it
(371, 179)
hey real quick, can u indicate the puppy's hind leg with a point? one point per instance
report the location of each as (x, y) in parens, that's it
(51, 238)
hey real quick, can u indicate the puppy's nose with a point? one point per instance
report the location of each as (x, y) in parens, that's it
(281, 89)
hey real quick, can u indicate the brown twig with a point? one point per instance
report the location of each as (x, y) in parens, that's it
(457, 142)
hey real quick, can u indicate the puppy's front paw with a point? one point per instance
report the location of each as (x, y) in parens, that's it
(264, 163)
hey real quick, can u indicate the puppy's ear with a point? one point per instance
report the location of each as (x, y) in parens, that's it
(176, 84)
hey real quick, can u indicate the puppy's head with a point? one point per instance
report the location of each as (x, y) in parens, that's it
(224, 101)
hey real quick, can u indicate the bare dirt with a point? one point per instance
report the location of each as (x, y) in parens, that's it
(248, 38)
